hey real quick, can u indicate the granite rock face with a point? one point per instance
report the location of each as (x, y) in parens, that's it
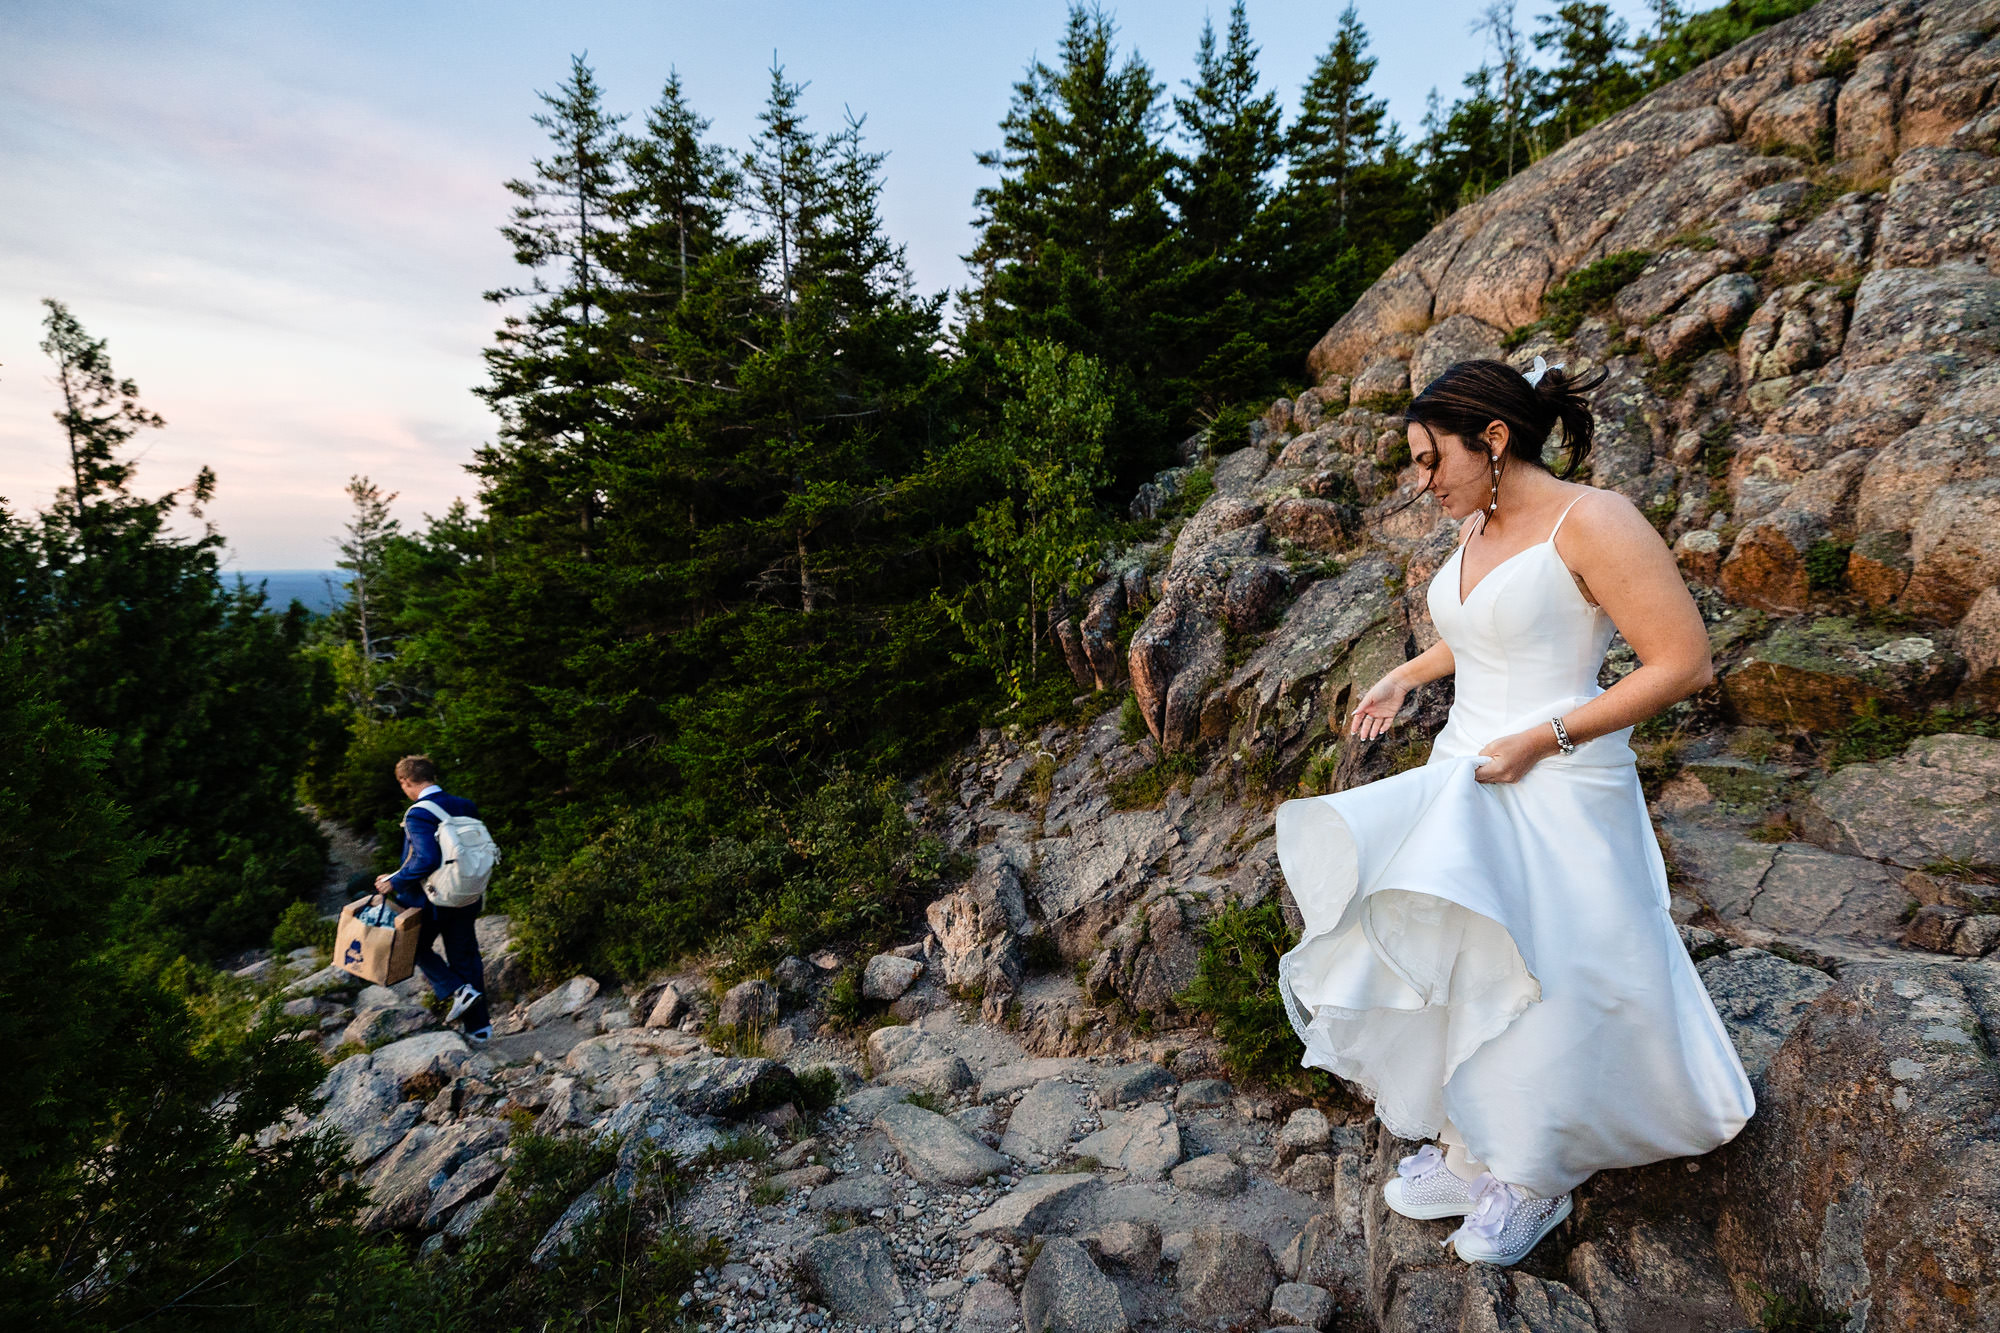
(1875, 1153)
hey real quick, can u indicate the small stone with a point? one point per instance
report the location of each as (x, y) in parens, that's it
(748, 1004)
(804, 1177)
(1310, 1173)
(854, 1273)
(1212, 1173)
(887, 976)
(860, 1192)
(669, 1009)
(988, 1259)
(563, 1001)
(988, 1307)
(1306, 1131)
(1119, 1084)
(1132, 1248)
(1302, 1304)
(1202, 1094)
(793, 975)
(1224, 1272)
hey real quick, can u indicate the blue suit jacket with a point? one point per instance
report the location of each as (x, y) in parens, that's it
(420, 846)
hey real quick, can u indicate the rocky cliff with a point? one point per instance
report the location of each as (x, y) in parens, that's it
(1782, 260)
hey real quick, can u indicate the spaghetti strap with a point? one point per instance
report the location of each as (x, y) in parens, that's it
(1560, 517)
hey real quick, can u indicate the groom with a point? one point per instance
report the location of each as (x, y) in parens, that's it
(460, 975)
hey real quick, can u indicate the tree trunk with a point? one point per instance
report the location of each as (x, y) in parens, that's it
(808, 595)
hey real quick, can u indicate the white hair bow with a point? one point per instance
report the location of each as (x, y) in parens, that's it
(1534, 377)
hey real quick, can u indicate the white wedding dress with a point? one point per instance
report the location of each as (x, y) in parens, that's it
(1500, 955)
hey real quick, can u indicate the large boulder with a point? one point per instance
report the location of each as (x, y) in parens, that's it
(1065, 1293)
(399, 1184)
(934, 1150)
(563, 1001)
(1143, 1141)
(853, 1273)
(980, 925)
(1938, 801)
(1035, 1206)
(721, 1086)
(1044, 1120)
(1225, 1274)
(424, 1062)
(1811, 674)
(358, 1094)
(1871, 1172)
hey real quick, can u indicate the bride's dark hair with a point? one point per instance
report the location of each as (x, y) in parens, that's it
(1470, 395)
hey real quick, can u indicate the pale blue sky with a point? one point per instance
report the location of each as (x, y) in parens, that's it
(282, 215)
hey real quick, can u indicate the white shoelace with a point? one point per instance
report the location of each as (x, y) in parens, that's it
(1493, 1205)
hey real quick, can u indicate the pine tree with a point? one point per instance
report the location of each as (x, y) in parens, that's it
(1339, 129)
(786, 174)
(678, 188)
(208, 709)
(1590, 80)
(1349, 205)
(1074, 237)
(1511, 76)
(550, 365)
(1464, 149)
(1218, 189)
(364, 554)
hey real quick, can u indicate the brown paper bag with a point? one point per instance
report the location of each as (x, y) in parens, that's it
(384, 955)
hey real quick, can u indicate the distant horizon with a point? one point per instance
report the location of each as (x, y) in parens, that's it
(282, 219)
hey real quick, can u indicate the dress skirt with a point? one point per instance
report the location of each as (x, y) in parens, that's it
(1501, 955)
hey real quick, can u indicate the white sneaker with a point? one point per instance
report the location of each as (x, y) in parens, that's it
(462, 999)
(1426, 1188)
(1505, 1222)
(481, 1037)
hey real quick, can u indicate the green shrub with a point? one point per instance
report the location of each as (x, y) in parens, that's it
(1150, 785)
(845, 1003)
(1582, 294)
(1875, 735)
(301, 927)
(626, 1267)
(1131, 722)
(844, 861)
(1826, 565)
(1236, 984)
(819, 1089)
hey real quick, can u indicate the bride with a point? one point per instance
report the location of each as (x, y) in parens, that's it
(1487, 945)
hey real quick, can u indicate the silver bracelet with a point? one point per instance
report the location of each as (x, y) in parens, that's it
(1562, 737)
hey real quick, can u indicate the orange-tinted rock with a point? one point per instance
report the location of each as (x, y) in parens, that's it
(1766, 567)
(1878, 566)
(1978, 641)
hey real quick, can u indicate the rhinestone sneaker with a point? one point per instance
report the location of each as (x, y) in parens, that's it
(1504, 1222)
(1425, 1187)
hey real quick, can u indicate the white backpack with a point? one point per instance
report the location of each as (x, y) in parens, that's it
(469, 857)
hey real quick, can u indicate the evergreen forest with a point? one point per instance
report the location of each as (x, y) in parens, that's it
(763, 530)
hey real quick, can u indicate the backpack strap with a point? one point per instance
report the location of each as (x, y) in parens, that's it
(431, 806)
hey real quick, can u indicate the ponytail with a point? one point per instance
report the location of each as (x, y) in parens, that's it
(1470, 395)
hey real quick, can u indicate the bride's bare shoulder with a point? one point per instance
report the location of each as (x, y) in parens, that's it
(1600, 518)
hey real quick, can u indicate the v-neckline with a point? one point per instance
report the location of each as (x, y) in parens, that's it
(1459, 573)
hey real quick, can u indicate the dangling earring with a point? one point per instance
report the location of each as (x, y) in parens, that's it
(1493, 505)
